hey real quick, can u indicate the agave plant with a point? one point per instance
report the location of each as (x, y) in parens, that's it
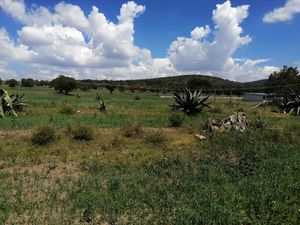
(190, 102)
(18, 102)
(102, 106)
(99, 96)
(6, 104)
(291, 103)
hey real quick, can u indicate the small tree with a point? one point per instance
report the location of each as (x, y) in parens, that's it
(27, 82)
(12, 82)
(286, 76)
(111, 88)
(64, 84)
(0, 81)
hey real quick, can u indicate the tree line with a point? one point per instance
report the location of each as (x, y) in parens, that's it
(287, 76)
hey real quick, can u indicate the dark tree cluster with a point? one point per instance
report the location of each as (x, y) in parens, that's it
(287, 76)
(12, 83)
(64, 84)
(27, 83)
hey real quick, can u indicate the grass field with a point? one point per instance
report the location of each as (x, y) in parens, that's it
(161, 175)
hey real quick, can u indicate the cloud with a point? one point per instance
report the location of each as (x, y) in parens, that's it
(282, 14)
(196, 54)
(129, 11)
(65, 40)
(68, 39)
(9, 51)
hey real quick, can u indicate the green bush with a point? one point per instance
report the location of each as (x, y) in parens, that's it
(67, 110)
(43, 134)
(176, 119)
(81, 132)
(156, 137)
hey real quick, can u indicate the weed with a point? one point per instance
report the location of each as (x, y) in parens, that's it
(216, 109)
(176, 119)
(156, 137)
(131, 129)
(81, 132)
(67, 110)
(258, 123)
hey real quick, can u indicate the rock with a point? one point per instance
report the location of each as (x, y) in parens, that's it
(237, 121)
(214, 124)
(200, 137)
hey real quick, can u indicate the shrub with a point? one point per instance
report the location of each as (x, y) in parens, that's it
(156, 137)
(137, 97)
(81, 132)
(176, 119)
(43, 134)
(67, 110)
(131, 129)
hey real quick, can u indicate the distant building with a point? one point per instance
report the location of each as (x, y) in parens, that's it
(258, 97)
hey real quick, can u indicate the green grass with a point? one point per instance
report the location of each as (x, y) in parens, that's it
(230, 178)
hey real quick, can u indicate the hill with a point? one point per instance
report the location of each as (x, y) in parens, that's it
(170, 83)
(257, 83)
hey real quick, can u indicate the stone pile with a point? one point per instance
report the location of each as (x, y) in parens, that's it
(237, 121)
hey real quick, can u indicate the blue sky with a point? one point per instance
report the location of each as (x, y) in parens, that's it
(272, 38)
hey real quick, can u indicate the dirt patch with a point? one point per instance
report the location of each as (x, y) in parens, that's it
(14, 133)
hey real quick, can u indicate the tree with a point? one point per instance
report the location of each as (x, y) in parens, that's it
(0, 81)
(12, 82)
(64, 84)
(27, 82)
(111, 88)
(286, 76)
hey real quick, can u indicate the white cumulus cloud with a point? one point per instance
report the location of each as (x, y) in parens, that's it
(196, 54)
(285, 13)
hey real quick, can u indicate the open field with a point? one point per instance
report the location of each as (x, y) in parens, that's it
(230, 178)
